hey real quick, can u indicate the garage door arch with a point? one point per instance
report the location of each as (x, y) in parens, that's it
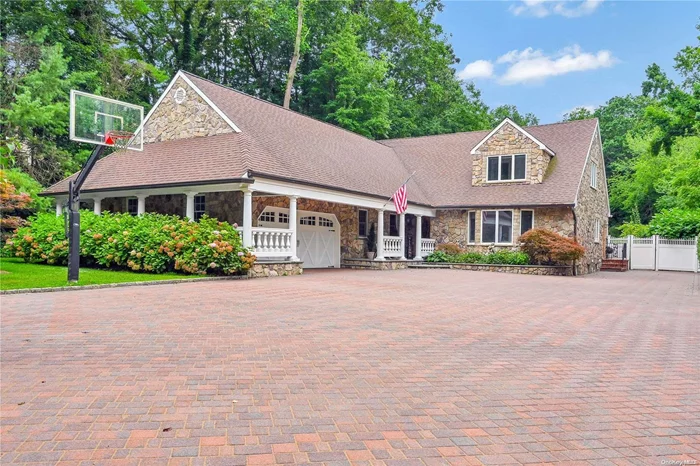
(318, 235)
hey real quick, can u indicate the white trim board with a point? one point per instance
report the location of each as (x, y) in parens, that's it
(541, 145)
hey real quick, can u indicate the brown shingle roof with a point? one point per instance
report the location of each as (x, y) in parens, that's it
(444, 163)
(282, 143)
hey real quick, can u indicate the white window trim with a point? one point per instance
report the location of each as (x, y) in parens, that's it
(366, 222)
(471, 240)
(594, 175)
(512, 169)
(498, 215)
(596, 231)
(521, 220)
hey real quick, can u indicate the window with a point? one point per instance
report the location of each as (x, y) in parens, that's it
(594, 175)
(267, 216)
(282, 217)
(393, 225)
(472, 228)
(596, 232)
(527, 220)
(200, 206)
(308, 221)
(362, 217)
(325, 222)
(497, 226)
(132, 206)
(506, 168)
(425, 227)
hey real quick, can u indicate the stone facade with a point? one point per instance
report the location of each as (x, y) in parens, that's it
(351, 244)
(375, 265)
(275, 269)
(592, 205)
(451, 226)
(561, 270)
(190, 118)
(510, 141)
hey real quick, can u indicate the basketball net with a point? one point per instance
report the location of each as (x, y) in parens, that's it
(118, 139)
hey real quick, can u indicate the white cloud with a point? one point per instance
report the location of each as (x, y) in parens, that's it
(477, 69)
(529, 66)
(566, 8)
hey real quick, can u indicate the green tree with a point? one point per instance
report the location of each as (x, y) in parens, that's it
(502, 112)
(579, 113)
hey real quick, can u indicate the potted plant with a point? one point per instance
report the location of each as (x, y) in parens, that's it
(371, 243)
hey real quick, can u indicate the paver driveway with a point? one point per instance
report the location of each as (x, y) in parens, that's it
(405, 367)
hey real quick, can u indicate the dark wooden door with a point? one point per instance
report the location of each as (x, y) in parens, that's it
(410, 246)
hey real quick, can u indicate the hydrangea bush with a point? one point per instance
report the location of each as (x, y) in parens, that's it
(152, 243)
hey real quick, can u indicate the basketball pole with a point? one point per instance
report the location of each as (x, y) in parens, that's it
(74, 214)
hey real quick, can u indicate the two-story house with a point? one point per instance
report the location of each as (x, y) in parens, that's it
(302, 189)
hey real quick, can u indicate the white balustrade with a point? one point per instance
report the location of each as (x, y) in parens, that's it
(393, 246)
(271, 242)
(427, 247)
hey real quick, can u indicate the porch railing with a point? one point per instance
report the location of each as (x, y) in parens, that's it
(393, 246)
(272, 242)
(427, 247)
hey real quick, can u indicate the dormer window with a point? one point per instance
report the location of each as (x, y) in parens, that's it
(506, 168)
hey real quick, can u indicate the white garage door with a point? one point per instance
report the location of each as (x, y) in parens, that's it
(318, 235)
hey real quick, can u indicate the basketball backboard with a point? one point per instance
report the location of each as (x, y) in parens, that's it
(98, 120)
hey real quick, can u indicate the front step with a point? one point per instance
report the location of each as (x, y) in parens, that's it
(617, 265)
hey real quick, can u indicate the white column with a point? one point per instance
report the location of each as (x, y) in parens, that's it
(59, 207)
(380, 235)
(247, 218)
(189, 206)
(142, 204)
(402, 234)
(293, 226)
(97, 208)
(419, 237)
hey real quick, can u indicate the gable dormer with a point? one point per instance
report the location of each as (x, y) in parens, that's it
(184, 111)
(509, 155)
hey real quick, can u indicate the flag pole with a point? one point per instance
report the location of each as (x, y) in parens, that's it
(402, 184)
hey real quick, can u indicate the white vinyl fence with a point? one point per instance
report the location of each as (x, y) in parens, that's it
(656, 253)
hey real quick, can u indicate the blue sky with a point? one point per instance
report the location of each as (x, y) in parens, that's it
(565, 54)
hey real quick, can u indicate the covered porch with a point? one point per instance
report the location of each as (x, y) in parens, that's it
(283, 221)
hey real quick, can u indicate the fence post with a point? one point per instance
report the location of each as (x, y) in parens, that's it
(630, 242)
(656, 252)
(697, 254)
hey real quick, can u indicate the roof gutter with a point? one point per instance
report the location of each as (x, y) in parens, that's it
(493, 206)
(324, 186)
(154, 186)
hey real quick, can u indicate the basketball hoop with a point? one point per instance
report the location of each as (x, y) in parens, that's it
(118, 139)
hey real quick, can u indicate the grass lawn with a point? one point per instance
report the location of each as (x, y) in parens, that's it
(18, 274)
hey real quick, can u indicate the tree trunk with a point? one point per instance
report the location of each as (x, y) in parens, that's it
(295, 56)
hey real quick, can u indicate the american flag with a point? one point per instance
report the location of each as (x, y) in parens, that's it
(401, 199)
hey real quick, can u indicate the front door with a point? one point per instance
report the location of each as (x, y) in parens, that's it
(410, 246)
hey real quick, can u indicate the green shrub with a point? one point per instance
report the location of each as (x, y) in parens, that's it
(635, 229)
(469, 258)
(507, 257)
(438, 256)
(547, 247)
(676, 223)
(151, 243)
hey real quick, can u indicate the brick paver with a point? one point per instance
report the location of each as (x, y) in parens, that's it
(365, 367)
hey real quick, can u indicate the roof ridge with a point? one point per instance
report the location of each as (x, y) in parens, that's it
(280, 107)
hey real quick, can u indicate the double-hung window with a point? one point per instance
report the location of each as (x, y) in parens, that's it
(594, 175)
(200, 206)
(497, 226)
(132, 206)
(506, 167)
(527, 220)
(362, 223)
(471, 238)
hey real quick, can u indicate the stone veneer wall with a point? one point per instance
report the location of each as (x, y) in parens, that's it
(275, 269)
(509, 141)
(351, 244)
(191, 118)
(451, 226)
(592, 204)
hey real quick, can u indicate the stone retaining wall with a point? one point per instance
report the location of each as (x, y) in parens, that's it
(375, 265)
(275, 269)
(562, 270)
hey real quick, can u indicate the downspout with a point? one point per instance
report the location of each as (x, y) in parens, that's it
(573, 211)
